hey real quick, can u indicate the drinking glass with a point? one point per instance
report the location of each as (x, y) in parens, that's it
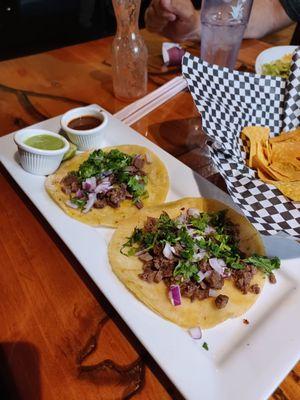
(223, 23)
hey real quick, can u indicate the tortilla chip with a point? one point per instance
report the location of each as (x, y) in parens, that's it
(277, 159)
(261, 163)
(292, 136)
(285, 169)
(268, 151)
(286, 151)
(157, 187)
(189, 314)
(289, 189)
(264, 175)
(256, 134)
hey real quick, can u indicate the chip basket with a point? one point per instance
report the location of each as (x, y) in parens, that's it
(231, 100)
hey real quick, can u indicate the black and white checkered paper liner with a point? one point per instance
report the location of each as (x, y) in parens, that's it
(230, 100)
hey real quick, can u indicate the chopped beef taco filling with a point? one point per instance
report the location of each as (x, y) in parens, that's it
(194, 254)
(106, 179)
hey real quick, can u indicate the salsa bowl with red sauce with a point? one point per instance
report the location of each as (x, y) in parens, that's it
(85, 126)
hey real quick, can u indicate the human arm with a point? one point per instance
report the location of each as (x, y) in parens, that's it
(267, 16)
(177, 19)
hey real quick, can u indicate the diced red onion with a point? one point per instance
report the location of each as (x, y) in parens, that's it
(139, 253)
(105, 180)
(146, 257)
(137, 158)
(148, 158)
(204, 275)
(191, 232)
(213, 293)
(130, 168)
(89, 184)
(104, 186)
(90, 202)
(201, 276)
(208, 230)
(181, 219)
(218, 265)
(198, 237)
(79, 193)
(199, 256)
(167, 251)
(72, 205)
(175, 251)
(86, 186)
(193, 212)
(175, 295)
(195, 333)
(106, 173)
(222, 262)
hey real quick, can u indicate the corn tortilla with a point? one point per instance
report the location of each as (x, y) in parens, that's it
(189, 314)
(157, 187)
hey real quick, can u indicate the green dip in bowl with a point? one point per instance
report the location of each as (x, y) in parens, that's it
(44, 142)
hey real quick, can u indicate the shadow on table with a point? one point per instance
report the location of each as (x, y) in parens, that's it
(19, 371)
(179, 136)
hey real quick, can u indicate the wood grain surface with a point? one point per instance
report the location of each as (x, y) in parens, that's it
(59, 337)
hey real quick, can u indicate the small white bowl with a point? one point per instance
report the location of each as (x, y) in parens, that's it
(272, 54)
(85, 139)
(37, 161)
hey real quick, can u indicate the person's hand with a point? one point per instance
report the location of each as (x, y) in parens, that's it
(176, 19)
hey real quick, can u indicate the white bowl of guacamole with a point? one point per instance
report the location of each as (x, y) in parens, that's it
(40, 151)
(275, 61)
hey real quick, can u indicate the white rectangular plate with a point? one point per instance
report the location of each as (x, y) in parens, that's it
(244, 361)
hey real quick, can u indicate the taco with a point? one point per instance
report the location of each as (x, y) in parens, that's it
(105, 186)
(194, 261)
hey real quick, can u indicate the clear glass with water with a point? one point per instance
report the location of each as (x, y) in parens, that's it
(223, 23)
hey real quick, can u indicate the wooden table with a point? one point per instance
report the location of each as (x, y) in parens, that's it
(52, 314)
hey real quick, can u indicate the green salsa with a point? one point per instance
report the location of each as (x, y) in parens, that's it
(45, 142)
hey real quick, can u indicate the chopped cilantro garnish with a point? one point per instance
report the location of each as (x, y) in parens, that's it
(190, 239)
(132, 241)
(218, 219)
(187, 242)
(115, 162)
(205, 346)
(237, 265)
(79, 202)
(165, 222)
(136, 186)
(99, 162)
(186, 270)
(265, 264)
(201, 222)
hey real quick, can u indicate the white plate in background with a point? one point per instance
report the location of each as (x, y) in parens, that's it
(272, 54)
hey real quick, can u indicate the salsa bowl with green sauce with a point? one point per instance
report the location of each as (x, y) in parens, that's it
(40, 151)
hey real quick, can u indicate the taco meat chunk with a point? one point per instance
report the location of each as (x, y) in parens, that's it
(242, 278)
(221, 301)
(70, 184)
(272, 278)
